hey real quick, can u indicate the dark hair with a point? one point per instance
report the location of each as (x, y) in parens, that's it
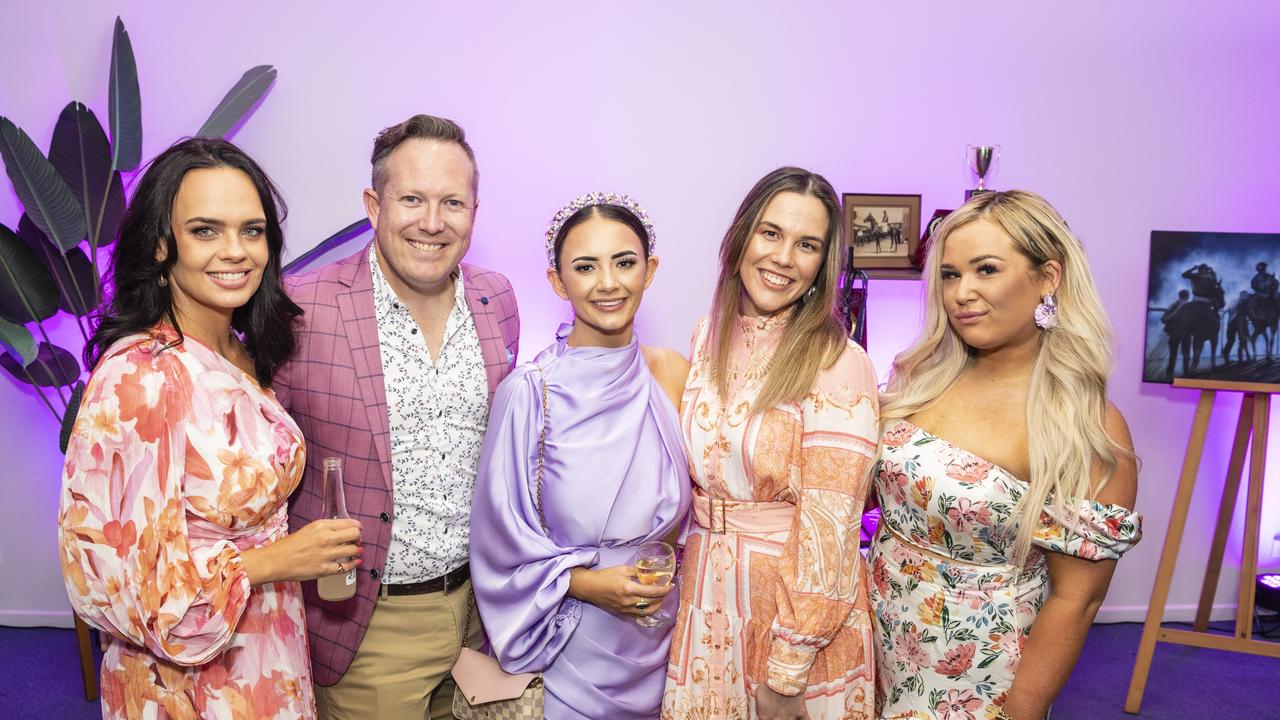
(608, 212)
(420, 127)
(138, 301)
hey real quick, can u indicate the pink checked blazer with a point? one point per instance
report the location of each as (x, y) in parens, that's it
(334, 389)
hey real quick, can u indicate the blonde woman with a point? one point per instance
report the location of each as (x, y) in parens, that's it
(779, 417)
(1005, 477)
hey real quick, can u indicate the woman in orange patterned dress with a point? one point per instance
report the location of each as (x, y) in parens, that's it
(780, 417)
(174, 534)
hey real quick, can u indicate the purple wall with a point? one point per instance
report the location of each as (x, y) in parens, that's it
(1128, 116)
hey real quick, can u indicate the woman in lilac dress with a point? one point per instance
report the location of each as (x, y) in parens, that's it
(551, 557)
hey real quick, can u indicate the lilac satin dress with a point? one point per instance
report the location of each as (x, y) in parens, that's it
(614, 476)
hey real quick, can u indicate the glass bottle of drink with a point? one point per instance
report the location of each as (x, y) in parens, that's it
(341, 585)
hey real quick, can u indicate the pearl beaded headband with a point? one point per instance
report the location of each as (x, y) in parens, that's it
(588, 200)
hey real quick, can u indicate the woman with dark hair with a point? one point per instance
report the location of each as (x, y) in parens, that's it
(173, 516)
(583, 466)
(780, 420)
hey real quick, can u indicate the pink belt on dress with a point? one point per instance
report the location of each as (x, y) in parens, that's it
(719, 515)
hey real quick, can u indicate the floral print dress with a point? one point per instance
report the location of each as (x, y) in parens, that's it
(178, 461)
(788, 604)
(951, 622)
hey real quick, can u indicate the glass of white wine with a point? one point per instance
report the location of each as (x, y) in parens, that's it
(655, 565)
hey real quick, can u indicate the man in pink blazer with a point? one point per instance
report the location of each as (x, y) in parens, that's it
(401, 348)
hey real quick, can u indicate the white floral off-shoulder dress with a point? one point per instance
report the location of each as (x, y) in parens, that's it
(949, 632)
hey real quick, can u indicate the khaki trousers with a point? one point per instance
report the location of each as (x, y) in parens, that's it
(401, 669)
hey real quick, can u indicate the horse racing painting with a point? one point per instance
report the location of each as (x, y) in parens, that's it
(882, 230)
(1213, 304)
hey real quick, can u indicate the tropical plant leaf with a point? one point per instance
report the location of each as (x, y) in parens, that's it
(334, 240)
(238, 102)
(82, 294)
(72, 272)
(124, 103)
(17, 342)
(53, 367)
(81, 154)
(28, 292)
(42, 191)
(69, 417)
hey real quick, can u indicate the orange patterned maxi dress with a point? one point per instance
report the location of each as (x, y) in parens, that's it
(773, 588)
(177, 462)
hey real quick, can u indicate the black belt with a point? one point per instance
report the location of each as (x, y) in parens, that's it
(450, 581)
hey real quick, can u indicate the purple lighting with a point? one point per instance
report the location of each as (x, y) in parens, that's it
(1267, 591)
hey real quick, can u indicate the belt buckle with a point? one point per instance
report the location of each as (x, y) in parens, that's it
(722, 504)
(444, 580)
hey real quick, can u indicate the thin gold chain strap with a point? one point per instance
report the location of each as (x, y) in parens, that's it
(542, 444)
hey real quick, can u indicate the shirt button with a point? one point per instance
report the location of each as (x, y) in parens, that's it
(385, 517)
(374, 573)
(484, 300)
(414, 331)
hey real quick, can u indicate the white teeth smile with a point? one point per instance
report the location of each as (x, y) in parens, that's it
(775, 279)
(426, 247)
(230, 275)
(607, 304)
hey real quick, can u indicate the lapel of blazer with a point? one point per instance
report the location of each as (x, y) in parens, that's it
(491, 346)
(356, 312)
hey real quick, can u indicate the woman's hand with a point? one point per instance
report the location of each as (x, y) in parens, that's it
(319, 548)
(616, 590)
(771, 705)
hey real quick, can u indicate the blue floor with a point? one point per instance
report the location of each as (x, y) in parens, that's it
(41, 679)
(1186, 683)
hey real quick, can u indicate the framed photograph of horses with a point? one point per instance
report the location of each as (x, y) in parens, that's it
(883, 232)
(1213, 305)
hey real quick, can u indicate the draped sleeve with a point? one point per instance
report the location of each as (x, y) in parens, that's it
(520, 575)
(822, 571)
(128, 562)
(1094, 531)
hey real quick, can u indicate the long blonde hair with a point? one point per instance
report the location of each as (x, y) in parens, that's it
(814, 336)
(1067, 399)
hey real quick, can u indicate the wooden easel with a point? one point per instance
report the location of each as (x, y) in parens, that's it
(88, 673)
(1255, 411)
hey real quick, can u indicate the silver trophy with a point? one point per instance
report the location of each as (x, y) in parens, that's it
(980, 158)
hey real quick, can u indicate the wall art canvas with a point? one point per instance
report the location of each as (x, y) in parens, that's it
(1213, 305)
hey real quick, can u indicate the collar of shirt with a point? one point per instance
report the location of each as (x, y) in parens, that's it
(385, 300)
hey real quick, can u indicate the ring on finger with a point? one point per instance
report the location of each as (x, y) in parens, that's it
(643, 605)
